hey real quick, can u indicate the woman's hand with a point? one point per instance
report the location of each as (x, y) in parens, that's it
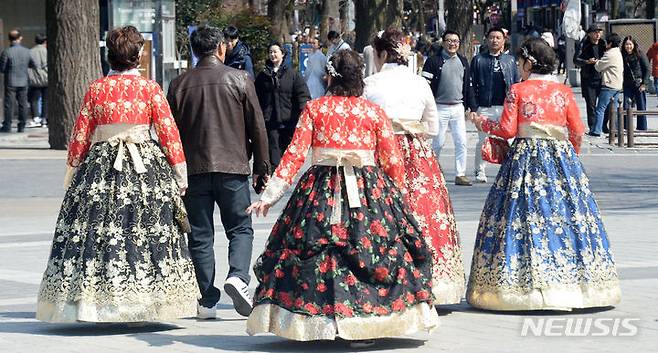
(260, 207)
(643, 88)
(477, 120)
(182, 191)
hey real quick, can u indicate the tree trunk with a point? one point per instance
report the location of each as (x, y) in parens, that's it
(460, 19)
(614, 9)
(278, 12)
(369, 19)
(419, 7)
(73, 62)
(394, 13)
(329, 8)
(651, 8)
(342, 9)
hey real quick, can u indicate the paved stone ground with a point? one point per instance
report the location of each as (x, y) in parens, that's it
(624, 182)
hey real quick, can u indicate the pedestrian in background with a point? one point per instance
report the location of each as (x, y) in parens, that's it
(636, 78)
(315, 70)
(238, 55)
(493, 73)
(449, 76)
(282, 94)
(38, 79)
(592, 48)
(611, 68)
(221, 126)
(14, 63)
(335, 43)
(652, 55)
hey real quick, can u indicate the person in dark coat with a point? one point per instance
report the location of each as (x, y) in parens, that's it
(14, 63)
(591, 49)
(282, 94)
(238, 55)
(637, 73)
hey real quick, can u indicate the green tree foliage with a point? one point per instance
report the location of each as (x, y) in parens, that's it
(254, 29)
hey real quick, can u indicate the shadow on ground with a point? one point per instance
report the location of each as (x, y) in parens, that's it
(274, 344)
(76, 329)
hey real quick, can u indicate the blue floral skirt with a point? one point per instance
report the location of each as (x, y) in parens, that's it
(541, 243)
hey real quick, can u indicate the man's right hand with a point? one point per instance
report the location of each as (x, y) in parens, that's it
(259, 182)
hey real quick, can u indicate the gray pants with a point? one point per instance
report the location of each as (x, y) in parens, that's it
(231, 193)
(13, 95)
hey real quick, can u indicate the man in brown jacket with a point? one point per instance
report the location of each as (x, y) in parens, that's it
(220, 124)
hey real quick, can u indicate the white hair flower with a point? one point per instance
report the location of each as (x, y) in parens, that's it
(332, 70)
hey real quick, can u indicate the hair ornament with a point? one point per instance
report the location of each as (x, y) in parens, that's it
(332, 70)
(527, 56)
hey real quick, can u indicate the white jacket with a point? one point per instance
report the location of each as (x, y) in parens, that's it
(611, 67)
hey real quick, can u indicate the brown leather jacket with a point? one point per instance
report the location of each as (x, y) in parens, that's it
(219, 119)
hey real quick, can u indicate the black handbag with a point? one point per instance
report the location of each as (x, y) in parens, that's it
(637, 81)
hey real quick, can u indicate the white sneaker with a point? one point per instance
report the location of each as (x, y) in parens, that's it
(205, 313)
(239, 293)
(480, 177)
(32, 124)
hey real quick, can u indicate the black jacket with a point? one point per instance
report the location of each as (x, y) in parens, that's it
(637, 70)
(240, 58)
(432, 73)
(482, 68)
(588, 75)
(282, 96)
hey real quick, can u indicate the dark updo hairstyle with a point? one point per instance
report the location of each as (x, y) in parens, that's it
(539, 54)
(123, 46)
(348, 78)
(389, 42)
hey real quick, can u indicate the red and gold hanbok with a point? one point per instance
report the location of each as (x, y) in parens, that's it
(409, 103)
(346, 257)
(119, 253)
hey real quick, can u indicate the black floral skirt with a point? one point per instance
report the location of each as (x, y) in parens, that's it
(119, 253)
(368, 276)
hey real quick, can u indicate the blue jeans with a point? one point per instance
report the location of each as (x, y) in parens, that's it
(231, 193)
(602, 104)
(655, 84)
(640, 99)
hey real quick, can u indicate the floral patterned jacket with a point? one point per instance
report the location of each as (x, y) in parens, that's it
(343, 124)
(539, 107)
(126, 98)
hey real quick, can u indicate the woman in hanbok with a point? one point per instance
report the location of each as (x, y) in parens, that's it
(541, 244)
(119, 253)
(408, 101)
(345, 258)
